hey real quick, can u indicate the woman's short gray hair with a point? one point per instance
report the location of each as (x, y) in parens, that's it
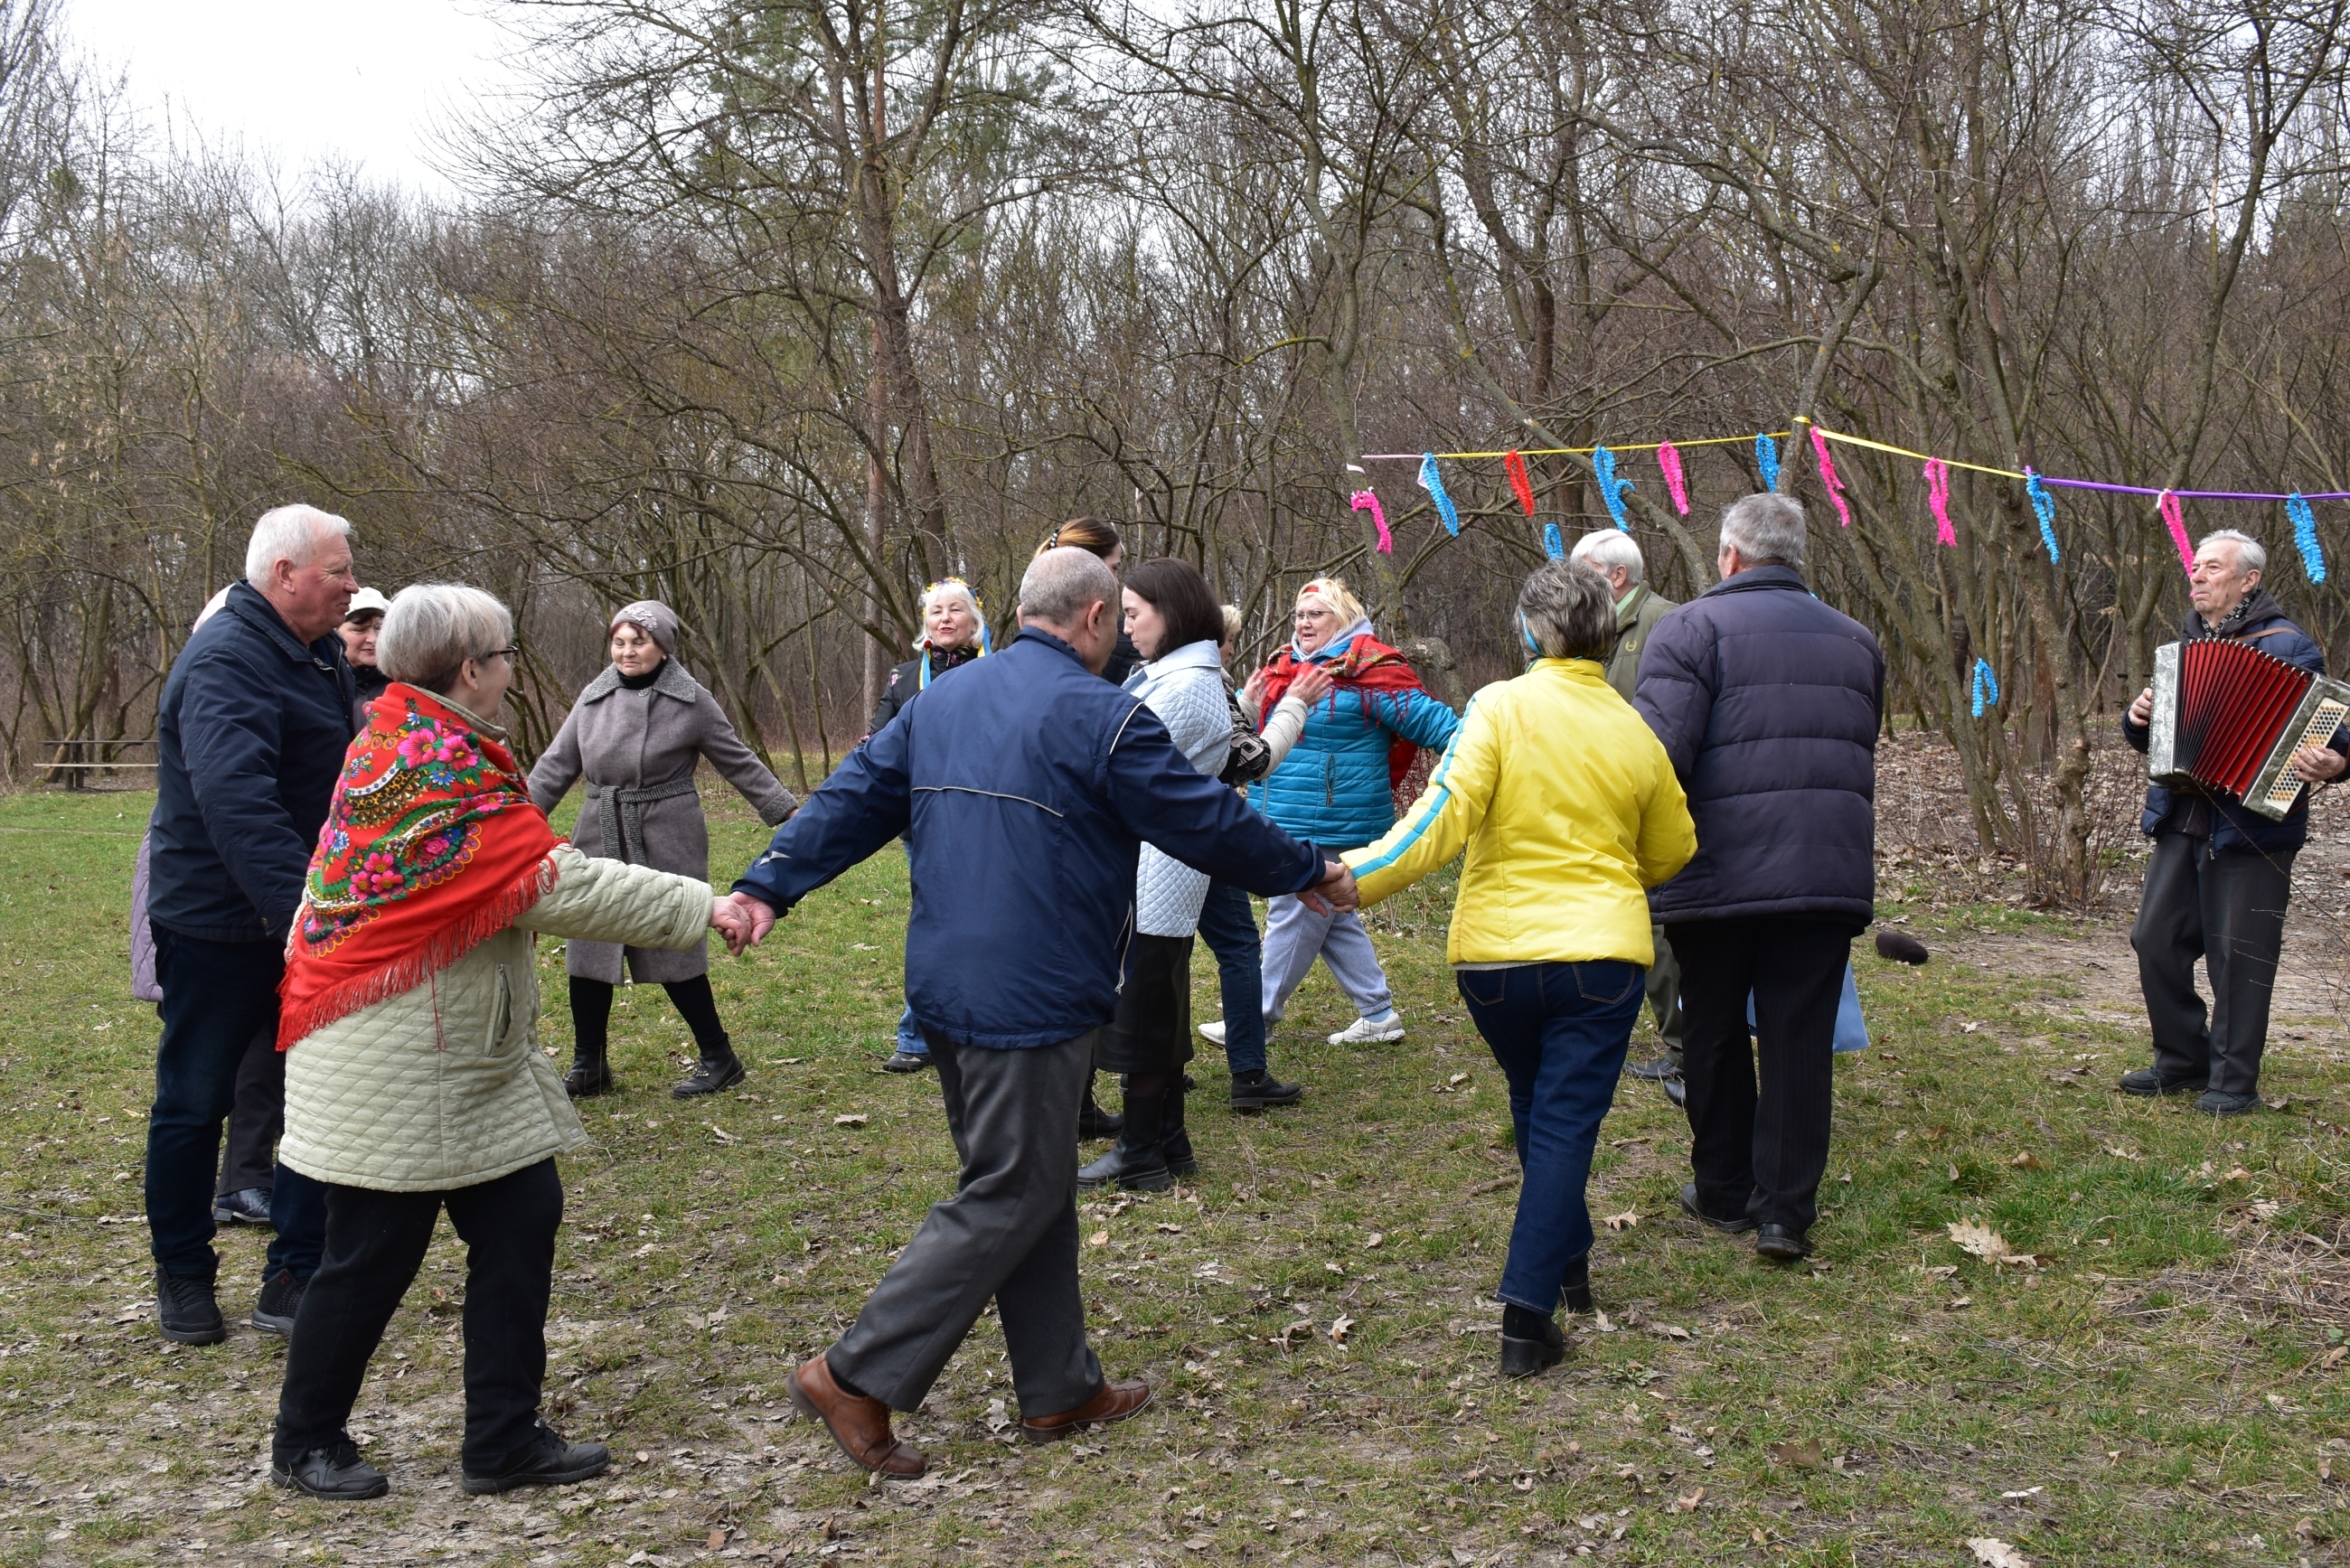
(1765, 529)
(289, 534)
(433, 629)
(1569, 610)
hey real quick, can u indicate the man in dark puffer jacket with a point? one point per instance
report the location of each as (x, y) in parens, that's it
(1768, 702)
(2221, 874)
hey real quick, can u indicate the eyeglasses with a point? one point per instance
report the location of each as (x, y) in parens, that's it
(508, 653)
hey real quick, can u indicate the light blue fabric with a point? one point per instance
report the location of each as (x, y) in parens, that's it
(1332, 786)
(1851, 1034)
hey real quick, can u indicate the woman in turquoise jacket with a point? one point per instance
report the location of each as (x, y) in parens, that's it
(1338, 787)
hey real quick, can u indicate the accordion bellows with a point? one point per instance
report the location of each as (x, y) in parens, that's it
(2229, 717)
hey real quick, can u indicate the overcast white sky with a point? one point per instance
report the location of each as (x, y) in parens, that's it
(298, 80)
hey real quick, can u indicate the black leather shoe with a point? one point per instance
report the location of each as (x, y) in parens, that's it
(1174, 1137)
(1094, 1123)
(245, 1206)
(1577, 1286)
(710, 1075)
(1137, 1161)
(1658, 1071)
(1737, 1227)
(1782, 1242)
(188, 1311)
(1524, 1357)
(2149, 1081)
(2219, 1102)
(281, 1298)
(1677, 1090)
(590, 1077)
(335, 1473)
(1258, 1089)
(905, 1061)
(546, 1460)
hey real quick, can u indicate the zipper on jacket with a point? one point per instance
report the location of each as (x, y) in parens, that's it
(1329, 778)
(502, 1015)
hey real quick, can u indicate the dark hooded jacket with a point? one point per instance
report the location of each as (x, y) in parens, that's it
(2227, 821)
(1768, 702)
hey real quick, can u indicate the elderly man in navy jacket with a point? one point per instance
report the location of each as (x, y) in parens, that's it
(251, 731)
(2217, 885)
(1768, 702)
(1027, 786)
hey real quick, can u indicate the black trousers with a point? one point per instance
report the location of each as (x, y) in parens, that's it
(2227, 909)
(249, 1158)
(1009, 1234)
(375, 1244)
(1760, 1143)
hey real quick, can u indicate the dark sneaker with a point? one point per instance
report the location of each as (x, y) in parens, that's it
(1524, 1357)
(1255, 1091)
(546, 1460)
(2149, 1081)
(1782, 1242)
(188, 1310)
(281, 1298)
(709, 1077)
(335, 1473)
(2219, 1102)
(246, 1206)
(1738, 1226)
(905, 1061)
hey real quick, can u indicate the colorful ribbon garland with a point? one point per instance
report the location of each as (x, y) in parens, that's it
(1434, 483)
(1668, 458)
(1515, 464)
(2305, 537)
(1767, 460)
(1611, 489)
(1364, 500)
(1828, 478)
(2043, 506)
(2167, 505)
(1938, 497)
(1986, 687)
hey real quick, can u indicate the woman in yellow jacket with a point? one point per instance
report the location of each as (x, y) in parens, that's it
(1569, 811)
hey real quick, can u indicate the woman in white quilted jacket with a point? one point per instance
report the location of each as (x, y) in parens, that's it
(1176, 624)
(414, 1079)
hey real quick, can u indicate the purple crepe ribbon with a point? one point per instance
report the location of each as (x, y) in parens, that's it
(1364, 500)
(1434, 483)
(1938, 496)
(1828, 477)
(1668, 458)
(2167, 505)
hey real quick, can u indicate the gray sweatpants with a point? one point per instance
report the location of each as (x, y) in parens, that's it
(1009, 1234)
(1295, 936)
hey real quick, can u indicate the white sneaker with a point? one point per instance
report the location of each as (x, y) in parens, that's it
(1370, 1031)
(1213, 1033)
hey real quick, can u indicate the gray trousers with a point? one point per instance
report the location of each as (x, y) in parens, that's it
(2227, 909)
(1009, 1234)
(1295, 936)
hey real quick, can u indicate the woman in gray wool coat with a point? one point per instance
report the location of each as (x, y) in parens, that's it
(636, 734)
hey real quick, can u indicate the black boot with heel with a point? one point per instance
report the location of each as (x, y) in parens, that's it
(1137, 1161)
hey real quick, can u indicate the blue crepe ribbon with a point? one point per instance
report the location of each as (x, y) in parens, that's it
(2043, 506)
(1553, 546)
(1767, 460)
(2305, 535)
(1611, 489)
(1986, 687)
(1434, 483)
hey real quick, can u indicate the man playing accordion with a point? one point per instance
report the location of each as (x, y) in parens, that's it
(2221, 874)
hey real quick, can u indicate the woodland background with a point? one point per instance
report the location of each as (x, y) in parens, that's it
(778, 311)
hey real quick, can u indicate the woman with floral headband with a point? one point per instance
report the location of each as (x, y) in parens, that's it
(954, 632)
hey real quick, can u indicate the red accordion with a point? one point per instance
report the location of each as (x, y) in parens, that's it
(2228, 717)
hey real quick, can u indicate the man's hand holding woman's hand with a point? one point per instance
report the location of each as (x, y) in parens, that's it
(1336, 892)
(743, 921)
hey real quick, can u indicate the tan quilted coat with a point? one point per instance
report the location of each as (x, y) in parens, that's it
(444, 1085)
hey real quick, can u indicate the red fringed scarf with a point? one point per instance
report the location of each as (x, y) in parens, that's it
(1369, 666)
(430, 847)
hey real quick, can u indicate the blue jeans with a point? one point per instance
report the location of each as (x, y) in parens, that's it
(1558, 1032)
(909, 1033)
(216, 997)
(1228, 926)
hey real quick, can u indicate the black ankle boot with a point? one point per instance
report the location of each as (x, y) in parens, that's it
(1531, 1342)
(1137, 1161)
(1578, 1284)
(1174, 1139)
(715, 1072)
(1093, 1122)
(590, 1074)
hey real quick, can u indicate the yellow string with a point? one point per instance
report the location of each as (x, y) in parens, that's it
(1842, 438)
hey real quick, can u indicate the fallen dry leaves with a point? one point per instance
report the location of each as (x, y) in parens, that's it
(1975, 1237)
(1992, 1553)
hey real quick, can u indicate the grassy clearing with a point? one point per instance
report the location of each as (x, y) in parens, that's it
(2165, 1388)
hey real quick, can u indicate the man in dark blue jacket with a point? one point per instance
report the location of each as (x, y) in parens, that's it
(2217, 885)
(1026, 786)
(1768, 702)
(254, 720)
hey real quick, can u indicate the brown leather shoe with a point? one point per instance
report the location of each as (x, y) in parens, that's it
(860, 1425)
(1116, 1402)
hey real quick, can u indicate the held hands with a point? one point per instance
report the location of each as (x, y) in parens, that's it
(1336, 892)
(743, 922)
(2316, 764)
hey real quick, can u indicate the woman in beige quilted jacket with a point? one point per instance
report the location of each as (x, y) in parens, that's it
(414, 1079)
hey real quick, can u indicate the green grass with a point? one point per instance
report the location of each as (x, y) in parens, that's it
(2162, 1389)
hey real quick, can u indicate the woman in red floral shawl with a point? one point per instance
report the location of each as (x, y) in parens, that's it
(414, 1080)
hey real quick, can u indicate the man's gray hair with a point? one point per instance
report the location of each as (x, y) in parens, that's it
(2252, 556)
(294, 534)
(1610, 547)
(1569, 610)
(433, 629)
(1765, 529)
(1060, 584)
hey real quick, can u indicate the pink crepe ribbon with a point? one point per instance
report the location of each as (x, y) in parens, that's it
(1828, 477)
(1938, 496)
(1364, 500)
(1668, 458)
(1524, 486)
(2172, 514)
